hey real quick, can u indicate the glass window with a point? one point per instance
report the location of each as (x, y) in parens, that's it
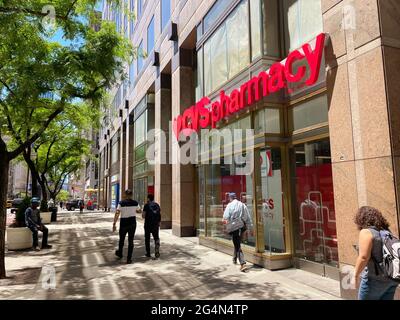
(310, 113)
(256, 27)
(237, 40)
(199, 75)
(268, 121)
(165, 13)
(132, 74)
(132, 19)
(314, 214)
(150, 36)
(219, 66)
(270, 199)
(215, 12)
(222, 179)
(115, 152)
(140, 57)
(139, 9)
(141, 129)
(303, 21)
(226, 53)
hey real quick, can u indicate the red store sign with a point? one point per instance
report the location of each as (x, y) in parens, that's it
(201, 115)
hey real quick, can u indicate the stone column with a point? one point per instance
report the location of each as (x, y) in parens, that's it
(183, 176)
(162, 167)
(363, 71)
(129, 155)
(122, 161)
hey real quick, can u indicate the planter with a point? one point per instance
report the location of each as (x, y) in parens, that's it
(46, 217)
(19, 238)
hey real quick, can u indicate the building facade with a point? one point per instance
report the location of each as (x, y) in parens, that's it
(315, 80)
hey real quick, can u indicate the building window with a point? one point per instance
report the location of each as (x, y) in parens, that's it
(268, 121)
(141, 129)
(199, 75)
(215, 12)
(227, 52)
(140, 57)
(165, 13)
(303, 22)
(132, 74)
(115, 151)
(256, 27)
(314, 208)
(139, 9)
(150, 36)
(132, 18)
(310, 113)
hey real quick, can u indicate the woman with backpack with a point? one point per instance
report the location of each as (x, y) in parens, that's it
(370, 275)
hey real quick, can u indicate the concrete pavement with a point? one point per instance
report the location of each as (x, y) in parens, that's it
(82, 265)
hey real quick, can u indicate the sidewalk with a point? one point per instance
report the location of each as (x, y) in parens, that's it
(86, 268)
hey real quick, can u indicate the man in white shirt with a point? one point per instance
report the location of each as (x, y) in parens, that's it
(127, 208)
(237, 212)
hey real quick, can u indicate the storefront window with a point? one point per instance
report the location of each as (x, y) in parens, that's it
(314, 214)
(139, 190)
(270, 199)
(310, 113)
(303, 21)
(268, 121)
(222, 179)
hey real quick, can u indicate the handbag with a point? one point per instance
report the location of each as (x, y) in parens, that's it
(234, 225)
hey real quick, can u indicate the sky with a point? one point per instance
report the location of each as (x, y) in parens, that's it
(58, 36)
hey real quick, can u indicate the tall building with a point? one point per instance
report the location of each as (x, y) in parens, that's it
(315, 80)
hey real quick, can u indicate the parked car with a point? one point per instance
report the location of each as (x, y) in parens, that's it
(15, 204)
(72, 205)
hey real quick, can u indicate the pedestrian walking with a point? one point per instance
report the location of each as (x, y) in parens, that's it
(237, 221)
(127, 208)
(369, 274)
(81, 206)
(152, 220)
(61, 204)
(34, 223)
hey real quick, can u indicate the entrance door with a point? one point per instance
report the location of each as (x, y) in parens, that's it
(314, 210)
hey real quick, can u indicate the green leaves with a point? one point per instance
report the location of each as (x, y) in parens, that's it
(41, 78)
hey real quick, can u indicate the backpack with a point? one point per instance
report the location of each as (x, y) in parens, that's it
(154, 213)
(391, 256)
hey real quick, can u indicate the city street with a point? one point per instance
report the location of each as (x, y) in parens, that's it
(86, 268)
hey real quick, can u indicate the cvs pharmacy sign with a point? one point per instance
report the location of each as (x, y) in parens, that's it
(204, 114)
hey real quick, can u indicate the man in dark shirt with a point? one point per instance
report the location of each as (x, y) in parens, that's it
(34, 223)
(152, 220)
(127, 208)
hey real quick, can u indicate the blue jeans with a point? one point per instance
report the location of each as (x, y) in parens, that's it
(376, 289)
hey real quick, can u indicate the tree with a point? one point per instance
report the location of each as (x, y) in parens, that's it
(41, 78)
(63, 196)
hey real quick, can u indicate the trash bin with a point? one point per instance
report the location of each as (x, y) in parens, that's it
(53, 211)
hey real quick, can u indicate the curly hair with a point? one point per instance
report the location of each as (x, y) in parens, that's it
(368, 217)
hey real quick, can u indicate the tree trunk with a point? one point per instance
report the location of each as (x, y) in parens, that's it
(35, 189)
(4, 166)
(44, 190)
